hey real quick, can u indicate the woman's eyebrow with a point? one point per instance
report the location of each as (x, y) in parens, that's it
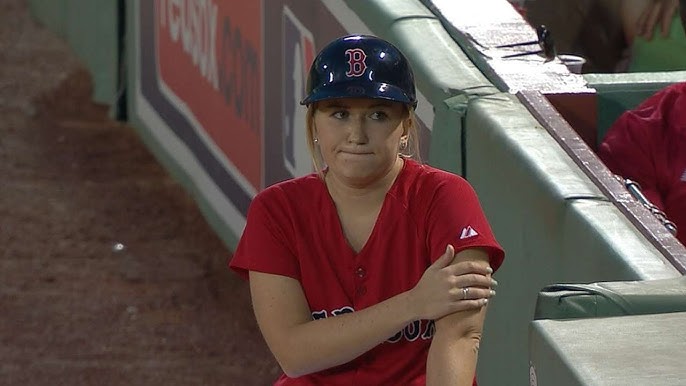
(335, 106)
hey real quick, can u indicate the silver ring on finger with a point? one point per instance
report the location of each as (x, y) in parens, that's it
(465, 293)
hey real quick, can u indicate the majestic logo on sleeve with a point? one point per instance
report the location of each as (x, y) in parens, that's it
(683, 176)
(356, 64)
(468, 232)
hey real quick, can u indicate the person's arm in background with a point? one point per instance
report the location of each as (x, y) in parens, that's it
(284, 317)
(455, 345)
(640, 17)
(633, 148)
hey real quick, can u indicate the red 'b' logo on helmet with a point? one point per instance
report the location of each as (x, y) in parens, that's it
(356, 64)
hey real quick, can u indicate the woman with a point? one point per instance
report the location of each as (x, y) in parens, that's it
(376, 270)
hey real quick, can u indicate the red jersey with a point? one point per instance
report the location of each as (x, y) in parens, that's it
(648, 145)
(293, 230)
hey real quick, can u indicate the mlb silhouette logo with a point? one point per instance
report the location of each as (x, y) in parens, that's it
(298, 54)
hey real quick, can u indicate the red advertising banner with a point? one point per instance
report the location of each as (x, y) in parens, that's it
(210, 58)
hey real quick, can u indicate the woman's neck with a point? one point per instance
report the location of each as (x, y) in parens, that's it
(370, 193)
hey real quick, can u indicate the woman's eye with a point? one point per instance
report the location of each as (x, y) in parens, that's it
(378, 115)
(340, 114)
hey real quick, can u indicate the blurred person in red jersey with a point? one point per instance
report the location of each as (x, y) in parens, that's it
(648, 145)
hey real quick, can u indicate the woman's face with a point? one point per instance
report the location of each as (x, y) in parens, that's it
(359, 138)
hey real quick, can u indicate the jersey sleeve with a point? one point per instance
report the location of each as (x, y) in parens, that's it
(264, 245)
(633, 148)
(455, 217)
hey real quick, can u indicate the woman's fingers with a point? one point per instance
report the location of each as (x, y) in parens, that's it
(471, 280)
(470, 304)
(471, 293)
(659, 11)
(445, 259)
(469, 298)
(467, 267)
(671, 8)
(653, 15)
(450, 285)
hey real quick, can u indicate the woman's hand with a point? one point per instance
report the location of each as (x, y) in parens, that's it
(656, 12)
(445, 288)
(639, 17)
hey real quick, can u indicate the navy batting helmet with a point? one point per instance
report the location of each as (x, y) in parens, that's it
(361, 66)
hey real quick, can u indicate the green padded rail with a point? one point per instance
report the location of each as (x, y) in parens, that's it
(553, 222)
(617, 351)
(603, 299)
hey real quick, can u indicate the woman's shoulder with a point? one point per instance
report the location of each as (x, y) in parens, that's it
(295, 189)
(429, 177)
(655, 114)
(423, 183)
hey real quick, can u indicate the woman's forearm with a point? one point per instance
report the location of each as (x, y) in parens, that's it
(324, 343)
(455, 345)
(302, 345)
(452, 361)
(455, 349)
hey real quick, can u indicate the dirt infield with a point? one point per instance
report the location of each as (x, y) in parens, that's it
(109, 275)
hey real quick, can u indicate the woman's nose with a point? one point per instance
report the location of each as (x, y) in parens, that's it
(356, 131)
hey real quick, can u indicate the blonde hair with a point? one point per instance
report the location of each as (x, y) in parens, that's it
(410, 151)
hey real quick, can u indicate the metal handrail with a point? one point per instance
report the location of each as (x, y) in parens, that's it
(635, 189)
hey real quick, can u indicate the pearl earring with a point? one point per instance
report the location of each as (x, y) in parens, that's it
(316, 140)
